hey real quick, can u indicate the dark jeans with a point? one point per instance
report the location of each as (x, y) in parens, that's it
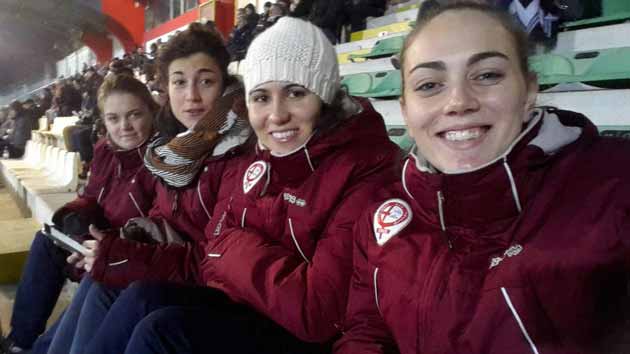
(205, 305)
(66, 327)
(42, 279)
(81, 139)
(226, 329)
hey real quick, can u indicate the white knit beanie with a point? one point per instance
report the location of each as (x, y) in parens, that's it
(294, 51)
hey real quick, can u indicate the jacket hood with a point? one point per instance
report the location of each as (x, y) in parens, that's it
(488, 198)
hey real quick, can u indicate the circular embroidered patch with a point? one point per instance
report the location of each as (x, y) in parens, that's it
(390, 218)
(253, 174)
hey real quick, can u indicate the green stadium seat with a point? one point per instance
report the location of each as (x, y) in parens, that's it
(603, 68)
(375, 84)
(382, 48)
(398, 134)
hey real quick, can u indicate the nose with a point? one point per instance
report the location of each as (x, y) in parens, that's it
(279, 113)
(126, 123)
(192, 93)
(461, 100)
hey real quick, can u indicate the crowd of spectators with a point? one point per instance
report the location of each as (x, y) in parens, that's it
(332, 16)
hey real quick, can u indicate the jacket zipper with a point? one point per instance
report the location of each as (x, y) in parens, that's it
(296, 243)
(100, 195)
(508, 301)
(440, 198)
(378, 305)
(203, 205)
(133, 200)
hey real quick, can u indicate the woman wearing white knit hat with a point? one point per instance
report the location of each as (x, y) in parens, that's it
(279, 244)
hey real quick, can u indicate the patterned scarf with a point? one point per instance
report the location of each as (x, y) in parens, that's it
(177, 161)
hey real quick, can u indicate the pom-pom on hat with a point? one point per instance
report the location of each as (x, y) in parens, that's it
(295, 51)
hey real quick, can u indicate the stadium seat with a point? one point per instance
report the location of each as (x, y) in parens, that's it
(603, 68)
(379, 84)
(382, 31)
(402, 16)
(403, 7)
(398, 134)
(382, 48)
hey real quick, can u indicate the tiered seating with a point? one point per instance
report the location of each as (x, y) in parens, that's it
(381, 84)
(603, 68)
(55, 135)
(47, 176)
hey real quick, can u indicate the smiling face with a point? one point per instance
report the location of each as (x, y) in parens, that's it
(194, 85)
(465, 97)
(283, 115)
(127, 120)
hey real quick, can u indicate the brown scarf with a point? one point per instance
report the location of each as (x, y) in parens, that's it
(177, 161)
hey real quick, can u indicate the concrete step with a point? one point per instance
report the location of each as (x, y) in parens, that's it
(15, 241)
(7, 299)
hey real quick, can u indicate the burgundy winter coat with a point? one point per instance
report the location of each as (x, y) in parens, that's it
(119, 188)
(282, 242)
(526, 255)
(187, 211)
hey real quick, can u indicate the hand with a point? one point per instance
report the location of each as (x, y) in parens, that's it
(93, 248)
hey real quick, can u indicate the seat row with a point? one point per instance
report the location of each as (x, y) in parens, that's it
(44, 170)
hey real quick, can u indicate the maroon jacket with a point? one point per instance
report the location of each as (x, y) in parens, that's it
(282, 242)
(119, 188)
(187, 211)
(526, 255)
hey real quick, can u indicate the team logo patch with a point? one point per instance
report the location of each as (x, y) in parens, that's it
(253, 174)
(390, 218)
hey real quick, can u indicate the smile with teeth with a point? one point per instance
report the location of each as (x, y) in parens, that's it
(464, 134)
(284, 135)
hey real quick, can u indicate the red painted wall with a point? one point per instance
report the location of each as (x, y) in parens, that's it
(125, 21)
(224, 18)
(100, 44)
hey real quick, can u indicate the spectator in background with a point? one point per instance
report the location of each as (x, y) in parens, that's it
(265, 14)
(328, 15)
(277, 11)
(153, 48)
(251, 15)
(31, 111)
(240, 37)
(21, 131)
(357, 11)
(6, 126)
(68, 99)
(45, 100)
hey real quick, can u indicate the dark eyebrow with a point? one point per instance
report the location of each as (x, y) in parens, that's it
(439, 65)
(202, 70)
(435, 65)
(485, 55)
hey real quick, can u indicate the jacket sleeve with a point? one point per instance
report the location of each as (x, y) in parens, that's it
(121, 262)
(306, 298)
(364, 329)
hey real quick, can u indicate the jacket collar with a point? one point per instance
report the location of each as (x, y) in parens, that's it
(289, 170)
(486, 200)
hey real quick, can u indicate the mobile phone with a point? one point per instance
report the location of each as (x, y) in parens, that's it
(62, 240)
